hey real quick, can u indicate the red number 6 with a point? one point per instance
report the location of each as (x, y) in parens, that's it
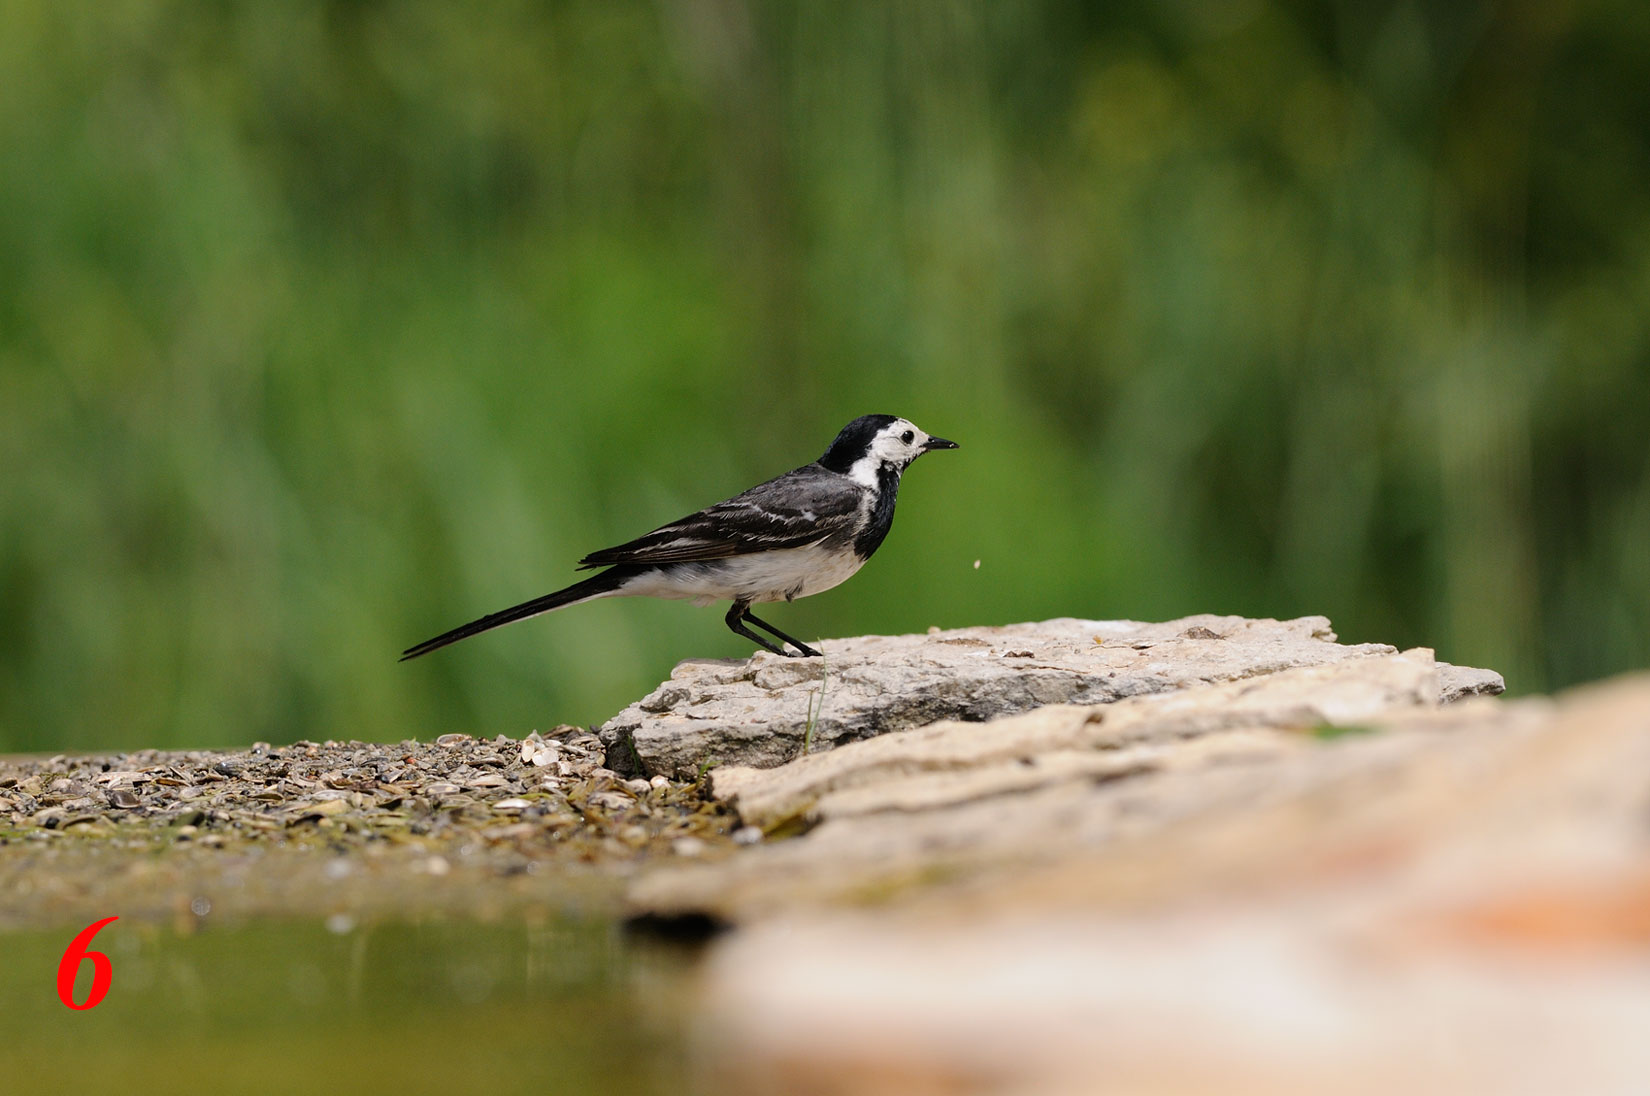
(70, 966)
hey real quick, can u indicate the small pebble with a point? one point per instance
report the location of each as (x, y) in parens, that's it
(747, 835)
(638, 787)
(611, 801)
(660, 781)
(511, 805)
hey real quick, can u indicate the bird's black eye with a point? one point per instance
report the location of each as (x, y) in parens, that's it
(906, 437)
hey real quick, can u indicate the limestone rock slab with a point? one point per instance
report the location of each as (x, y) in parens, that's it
(769, 710)
(956, 798)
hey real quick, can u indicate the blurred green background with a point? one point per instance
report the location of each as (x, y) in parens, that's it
(327, 326)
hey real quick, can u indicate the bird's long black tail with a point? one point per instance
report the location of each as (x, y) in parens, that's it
(595, 586)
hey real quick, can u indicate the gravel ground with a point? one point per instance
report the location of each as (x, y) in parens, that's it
(338, 829)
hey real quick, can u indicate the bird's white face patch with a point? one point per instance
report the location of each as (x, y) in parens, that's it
(899, 443)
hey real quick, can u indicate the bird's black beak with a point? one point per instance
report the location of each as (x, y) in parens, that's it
(938, 443)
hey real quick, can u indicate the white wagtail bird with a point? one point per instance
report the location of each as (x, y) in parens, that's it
(795, 535)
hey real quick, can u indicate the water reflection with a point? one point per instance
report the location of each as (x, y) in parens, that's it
(564, 1005)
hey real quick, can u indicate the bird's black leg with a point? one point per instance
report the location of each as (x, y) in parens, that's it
(736, 621)
(807, 651)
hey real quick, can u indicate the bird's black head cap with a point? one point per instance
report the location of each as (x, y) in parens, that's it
(854, 442)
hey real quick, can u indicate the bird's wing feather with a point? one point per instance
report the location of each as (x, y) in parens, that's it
(799, 508)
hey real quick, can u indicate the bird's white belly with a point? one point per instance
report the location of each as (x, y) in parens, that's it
(779, 575)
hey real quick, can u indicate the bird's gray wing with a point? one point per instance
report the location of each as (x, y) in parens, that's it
(799, 508)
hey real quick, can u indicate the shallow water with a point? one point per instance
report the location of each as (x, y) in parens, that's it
(566, 1005)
